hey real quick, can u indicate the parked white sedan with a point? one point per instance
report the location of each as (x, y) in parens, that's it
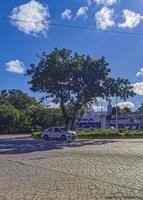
(58, 133)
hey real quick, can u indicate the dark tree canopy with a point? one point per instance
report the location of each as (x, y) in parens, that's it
(74, 80)
(17, 98)
(8, 118)
(139, 110)
(119, 87)
(121, 111)
(20, 113)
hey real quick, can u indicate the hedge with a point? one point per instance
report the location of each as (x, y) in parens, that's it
(106, 133)
(121, 133)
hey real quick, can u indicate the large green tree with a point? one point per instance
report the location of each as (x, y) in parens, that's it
(74, 80)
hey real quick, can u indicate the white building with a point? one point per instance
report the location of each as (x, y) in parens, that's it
(100, 120)
(96, 119)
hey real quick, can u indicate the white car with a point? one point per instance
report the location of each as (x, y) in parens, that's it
(110, 127)
(58, 133)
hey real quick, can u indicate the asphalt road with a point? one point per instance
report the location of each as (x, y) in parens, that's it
(34, 169)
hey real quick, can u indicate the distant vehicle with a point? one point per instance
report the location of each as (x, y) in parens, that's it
(127, 127)
(58, 133)
(87, 128)
(134, 128)
(110, 127)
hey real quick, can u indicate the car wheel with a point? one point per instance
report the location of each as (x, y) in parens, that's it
(63, 137)
(46, 137)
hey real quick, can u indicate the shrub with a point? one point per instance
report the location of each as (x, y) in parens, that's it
(110, 133)
(36, 134)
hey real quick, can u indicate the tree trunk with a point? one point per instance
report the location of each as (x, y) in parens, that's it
(73, 123)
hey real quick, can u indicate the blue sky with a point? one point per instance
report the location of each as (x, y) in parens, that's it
(19, 41)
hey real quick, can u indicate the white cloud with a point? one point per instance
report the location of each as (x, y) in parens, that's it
(99, 104)
(138, 88)
(33, 11)
(104, 18)
(99, 100)
(106, 2)
(140, 73)
(98, 108)
(126, 104)
(54, 105)
(67, 14)
(15, 66)
(82, 11)
(132, 19)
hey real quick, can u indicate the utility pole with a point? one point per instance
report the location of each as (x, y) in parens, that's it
(101, 112)
(116, 113)
(109, 112)
(141, 115)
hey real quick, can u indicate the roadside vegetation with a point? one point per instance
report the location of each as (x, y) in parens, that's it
(75, 81)
(104, 134)
(121, 133)
(20, 113)
(70, 80)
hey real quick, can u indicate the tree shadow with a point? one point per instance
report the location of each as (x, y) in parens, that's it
(83, 142)
(27, 144)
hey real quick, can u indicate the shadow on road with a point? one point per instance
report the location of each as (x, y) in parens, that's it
(28, 144)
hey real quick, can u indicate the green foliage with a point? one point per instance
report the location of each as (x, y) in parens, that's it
(17, 98)
(45, 117)
(111, 133)
(20, 113)
(118, 87)
(19, 105)
(75, 80)
(121, 111)
(9, 116)
(99, 132)
(36, 134)
(107, 133)
(139, 110)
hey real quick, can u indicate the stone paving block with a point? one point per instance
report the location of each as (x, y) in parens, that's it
(82, 170)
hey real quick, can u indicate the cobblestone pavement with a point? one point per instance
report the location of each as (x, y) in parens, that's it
(34, 169)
